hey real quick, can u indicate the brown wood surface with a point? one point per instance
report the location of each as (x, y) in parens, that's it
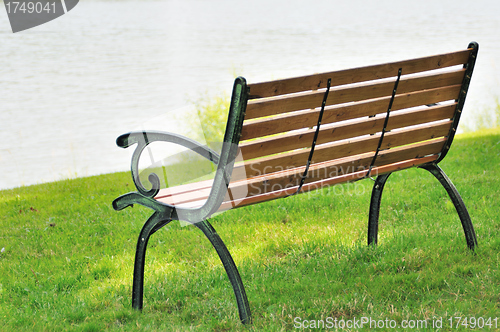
(200, 196)
(352, 176)
(318, 81)
(184, 188)
(323, 172)
(328, 182)
(307, 119)
(186, 197)
(303, 139)
(291, 177)
(343, 149)
(345, 94)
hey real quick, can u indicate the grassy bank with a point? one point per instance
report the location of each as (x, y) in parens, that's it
(67, 256)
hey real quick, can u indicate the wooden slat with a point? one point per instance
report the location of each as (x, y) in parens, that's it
(342, 149)
(185, 197)
(325, 183)
(290, 178)
(194, 192)
(199, 197)
(349, 76)
(415, 117)
(303, 139)
(418, 150)
(282, 104)
(307, 119)
(185, 188)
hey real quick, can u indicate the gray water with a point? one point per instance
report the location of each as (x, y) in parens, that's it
(71, 86)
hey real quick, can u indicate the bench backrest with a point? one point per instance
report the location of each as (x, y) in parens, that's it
(281, 121)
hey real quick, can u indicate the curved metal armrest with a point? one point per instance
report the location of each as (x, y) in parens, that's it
(144, 138)
(132, 198)
(147, 137)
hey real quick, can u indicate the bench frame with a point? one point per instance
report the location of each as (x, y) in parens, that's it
(165, 213)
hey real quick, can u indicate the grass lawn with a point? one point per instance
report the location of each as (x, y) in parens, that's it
(66, 256)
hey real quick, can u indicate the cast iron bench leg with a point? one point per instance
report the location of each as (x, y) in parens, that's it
(470, 235)
(154, 223)
(231, 270)
(378, 187)
(157, 221)
(373, 214)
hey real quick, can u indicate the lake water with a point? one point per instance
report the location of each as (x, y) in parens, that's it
(71, 86)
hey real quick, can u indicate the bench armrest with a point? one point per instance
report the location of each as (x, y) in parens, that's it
(143, 139)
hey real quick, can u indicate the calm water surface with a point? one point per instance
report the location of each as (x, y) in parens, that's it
(71, 86)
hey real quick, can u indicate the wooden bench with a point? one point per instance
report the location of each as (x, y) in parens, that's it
(304, 133)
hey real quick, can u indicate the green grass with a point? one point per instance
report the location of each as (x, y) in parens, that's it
(68, 256)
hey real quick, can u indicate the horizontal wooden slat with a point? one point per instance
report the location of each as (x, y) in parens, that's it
(290, 178)
(282, 104)
(419, 116)
(303, 139)
(194, 192)
(343, 149)
(186, 197)
(298, 120)
(198, 197)
(185, 188)
(318, 81)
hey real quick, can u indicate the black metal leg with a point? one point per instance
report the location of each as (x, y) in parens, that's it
(470, 235)
(231, 270)
(378, 187)
(155, 222)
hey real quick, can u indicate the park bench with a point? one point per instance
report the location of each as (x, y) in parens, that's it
(304, 133)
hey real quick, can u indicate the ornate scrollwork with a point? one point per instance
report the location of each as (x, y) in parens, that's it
(143, 139)
(153, 178)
